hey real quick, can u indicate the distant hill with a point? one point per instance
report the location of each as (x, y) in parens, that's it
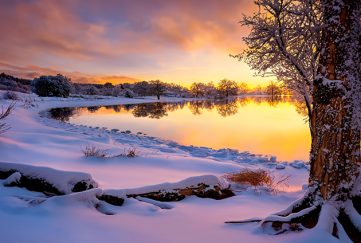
(8, 82)
(32, 71)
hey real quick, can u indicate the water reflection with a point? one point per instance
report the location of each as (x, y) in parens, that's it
(265, 125)
(225, 108)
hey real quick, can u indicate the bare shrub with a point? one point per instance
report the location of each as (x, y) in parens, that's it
(29, 102)
(9, 95)
(258, 178)
(5, 112)
(131, 153)
(93, 151)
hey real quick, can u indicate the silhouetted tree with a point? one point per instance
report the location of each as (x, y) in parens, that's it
(227, 88)
(197, 89)
(157, 88)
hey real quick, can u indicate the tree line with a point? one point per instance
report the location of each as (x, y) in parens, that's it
(62, 86)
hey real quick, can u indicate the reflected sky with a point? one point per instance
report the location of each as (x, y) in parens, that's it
(258, 125)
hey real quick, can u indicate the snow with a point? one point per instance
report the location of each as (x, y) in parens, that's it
(45, 148)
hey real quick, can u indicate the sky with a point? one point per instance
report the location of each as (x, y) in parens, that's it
(179, 41)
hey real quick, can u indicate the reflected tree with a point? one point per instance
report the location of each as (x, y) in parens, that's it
(63, 114)
(151, 110)
(227, 107)
(196, 107)
(93, 109)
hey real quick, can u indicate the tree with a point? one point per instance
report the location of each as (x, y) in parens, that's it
(243, 88)
(227, 87)
(108, 85)
(141, 88)
(285, 41)
(334, 87)
(58, 85)
(91, 90)
(197, 89)
(210, 90)
(157, 88)
(273, 89)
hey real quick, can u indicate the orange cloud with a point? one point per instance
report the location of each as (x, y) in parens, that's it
(143, 38)
(31, 72)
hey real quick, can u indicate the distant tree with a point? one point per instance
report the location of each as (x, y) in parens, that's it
(116, 90)
(58, 85)
(243, 88)
(227, 88)
(273, 89)
(91, 90)
(128, 93)
(210, 90)
(108, 85)
(157, 88)
(142, 88)
(197, 89)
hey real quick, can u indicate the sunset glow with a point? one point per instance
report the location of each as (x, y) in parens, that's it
(125, 41)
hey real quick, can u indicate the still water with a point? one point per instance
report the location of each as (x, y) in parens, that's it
(258, 125)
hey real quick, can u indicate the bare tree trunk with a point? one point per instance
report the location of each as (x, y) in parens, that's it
(335, 152)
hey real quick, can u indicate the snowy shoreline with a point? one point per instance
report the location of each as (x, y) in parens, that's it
(41, 141)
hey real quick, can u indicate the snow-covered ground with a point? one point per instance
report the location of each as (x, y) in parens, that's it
(37, 140)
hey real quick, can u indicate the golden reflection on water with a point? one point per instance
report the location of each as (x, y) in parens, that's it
(257, 125)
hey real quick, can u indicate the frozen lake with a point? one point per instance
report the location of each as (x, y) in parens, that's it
(255, 124)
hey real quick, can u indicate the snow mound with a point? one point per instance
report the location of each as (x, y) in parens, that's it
(57, 181)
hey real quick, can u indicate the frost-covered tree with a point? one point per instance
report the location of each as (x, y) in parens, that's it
(91, 90)
(285, 41)
(243, 88)
(197, 89)
(157, 88)
(314, 47)
(227, 88)
(141, 88)
(58, 85)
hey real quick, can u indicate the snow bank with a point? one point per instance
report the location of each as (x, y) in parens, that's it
(207, 186)
(35, 177)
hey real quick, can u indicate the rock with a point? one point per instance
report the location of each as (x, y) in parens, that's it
(201, 190)
(113, 200)
(280, 166)
(82, 186)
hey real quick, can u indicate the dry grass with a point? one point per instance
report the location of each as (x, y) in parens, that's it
(131, 153)
(258, 178)
(93, 151)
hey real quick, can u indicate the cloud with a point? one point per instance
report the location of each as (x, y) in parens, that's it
(118, 36)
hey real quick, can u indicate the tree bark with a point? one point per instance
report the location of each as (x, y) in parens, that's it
(335, 152)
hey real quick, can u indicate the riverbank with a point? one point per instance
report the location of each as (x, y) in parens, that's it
(41, 141)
